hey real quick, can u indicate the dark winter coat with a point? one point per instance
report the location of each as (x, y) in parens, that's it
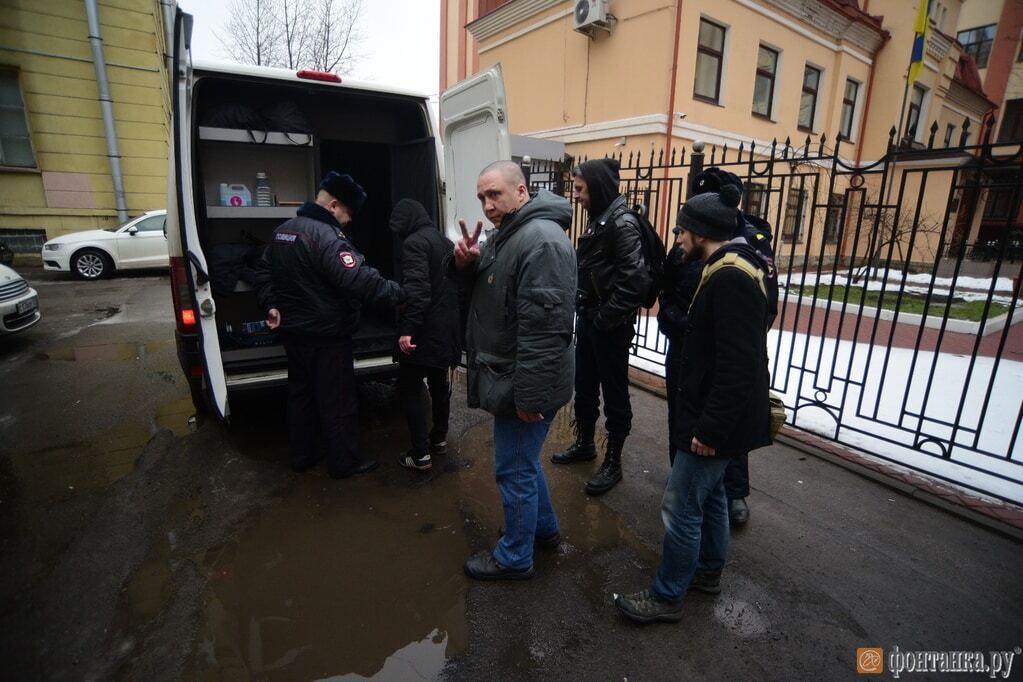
(723, 376)
(313, 275)
(681, 277)
(431, 315)
(519, 335)
(613, 276)
(757, 232)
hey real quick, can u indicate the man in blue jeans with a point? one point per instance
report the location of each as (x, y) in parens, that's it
(721, 408)
(519, 352)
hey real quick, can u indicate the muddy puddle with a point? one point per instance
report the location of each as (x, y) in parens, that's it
(62, 470)
(117, 352)
(364, 579)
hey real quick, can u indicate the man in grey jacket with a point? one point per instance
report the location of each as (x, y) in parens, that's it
(519, 352)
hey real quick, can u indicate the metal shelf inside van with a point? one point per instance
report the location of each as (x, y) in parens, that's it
(251, 211)
(255, 136)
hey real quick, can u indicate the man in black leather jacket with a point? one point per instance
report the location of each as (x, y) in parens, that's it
(613, 278)
(312, 283)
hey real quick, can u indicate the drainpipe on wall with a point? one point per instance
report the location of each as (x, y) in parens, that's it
(670, 130)
(107, 108)
(861, 139)
(168, 32)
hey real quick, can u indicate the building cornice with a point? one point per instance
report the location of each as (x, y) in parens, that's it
(835, 25)
(506, 16)
(549, 19)
(938, 45)
(965, 102)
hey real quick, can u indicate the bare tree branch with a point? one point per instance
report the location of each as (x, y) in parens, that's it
(294, 34)
(251, 34)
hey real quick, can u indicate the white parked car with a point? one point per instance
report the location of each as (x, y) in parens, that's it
(92, 254)
(19, 303)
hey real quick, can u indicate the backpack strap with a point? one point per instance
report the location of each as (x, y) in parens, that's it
(731, 260)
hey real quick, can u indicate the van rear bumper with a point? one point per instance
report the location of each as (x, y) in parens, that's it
(190, 358)
(365, 367)
(380, 366)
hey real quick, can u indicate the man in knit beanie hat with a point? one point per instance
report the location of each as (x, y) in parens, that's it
(613, 278)
(681, 274)
(722, 407)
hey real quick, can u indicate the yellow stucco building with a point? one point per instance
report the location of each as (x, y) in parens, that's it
(723, 71)
(60, 157)
(656, 75)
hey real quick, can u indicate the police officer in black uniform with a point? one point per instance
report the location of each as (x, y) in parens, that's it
(312, 283)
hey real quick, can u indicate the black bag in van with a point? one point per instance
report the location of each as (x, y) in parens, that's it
(238, 116)
(285, 117)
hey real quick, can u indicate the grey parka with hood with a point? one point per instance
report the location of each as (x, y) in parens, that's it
(519, 332)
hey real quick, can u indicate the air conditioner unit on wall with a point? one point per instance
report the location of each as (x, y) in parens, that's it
(591, 15)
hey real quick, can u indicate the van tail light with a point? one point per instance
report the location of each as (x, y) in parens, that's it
(184, 302)
(328, 76)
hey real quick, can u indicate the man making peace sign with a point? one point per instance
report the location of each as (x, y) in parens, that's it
(519, 352)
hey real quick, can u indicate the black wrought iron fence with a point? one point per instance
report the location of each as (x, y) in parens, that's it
(896, 334)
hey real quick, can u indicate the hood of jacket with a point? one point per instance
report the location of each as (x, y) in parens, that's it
(601, 176)
(409, 216)
(542, 205)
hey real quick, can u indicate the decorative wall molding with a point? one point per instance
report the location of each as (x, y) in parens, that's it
(507, 16)
(528, 29)
(837, 26)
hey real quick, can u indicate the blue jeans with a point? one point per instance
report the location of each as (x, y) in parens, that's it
(528, 513)
(695, 514)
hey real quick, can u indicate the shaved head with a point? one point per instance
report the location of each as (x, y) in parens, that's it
(509, 170)
(501, 189)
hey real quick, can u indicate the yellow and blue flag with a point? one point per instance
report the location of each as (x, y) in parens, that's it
(921, 27)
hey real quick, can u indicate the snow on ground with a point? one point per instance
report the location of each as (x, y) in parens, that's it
(854, 393)
(966, 288)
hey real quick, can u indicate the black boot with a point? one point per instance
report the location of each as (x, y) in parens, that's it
(582, 450)
(610, 472)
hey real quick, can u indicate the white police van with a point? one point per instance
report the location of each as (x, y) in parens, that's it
(231, 122)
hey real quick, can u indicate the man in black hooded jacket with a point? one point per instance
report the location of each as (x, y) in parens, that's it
(681, 276)
(722, 408)
(613, 278)
(312, 284)
(429, 337)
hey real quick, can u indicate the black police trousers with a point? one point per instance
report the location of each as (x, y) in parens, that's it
(602, 366)
(737, 471)
(323, 406)
(410, 395)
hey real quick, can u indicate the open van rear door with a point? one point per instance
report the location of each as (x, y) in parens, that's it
(475, 123)
(181, 211)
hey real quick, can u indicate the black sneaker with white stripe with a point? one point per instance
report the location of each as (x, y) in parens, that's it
(417, 462)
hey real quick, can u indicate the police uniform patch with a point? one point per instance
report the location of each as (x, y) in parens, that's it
(286, 237)
(347, 259)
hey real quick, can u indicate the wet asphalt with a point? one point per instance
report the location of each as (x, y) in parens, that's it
(138, 543)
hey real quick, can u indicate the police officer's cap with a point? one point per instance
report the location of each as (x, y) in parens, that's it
(344, 189)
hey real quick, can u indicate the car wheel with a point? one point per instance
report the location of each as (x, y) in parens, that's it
(91, 264)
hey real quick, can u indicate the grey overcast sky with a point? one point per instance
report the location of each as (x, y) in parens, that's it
(401, 44)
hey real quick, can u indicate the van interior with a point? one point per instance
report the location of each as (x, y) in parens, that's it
(295, 133)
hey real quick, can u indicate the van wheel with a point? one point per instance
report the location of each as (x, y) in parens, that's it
(89, 264)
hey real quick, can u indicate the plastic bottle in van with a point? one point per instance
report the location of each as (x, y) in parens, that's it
(235, 195)
(264, 194)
